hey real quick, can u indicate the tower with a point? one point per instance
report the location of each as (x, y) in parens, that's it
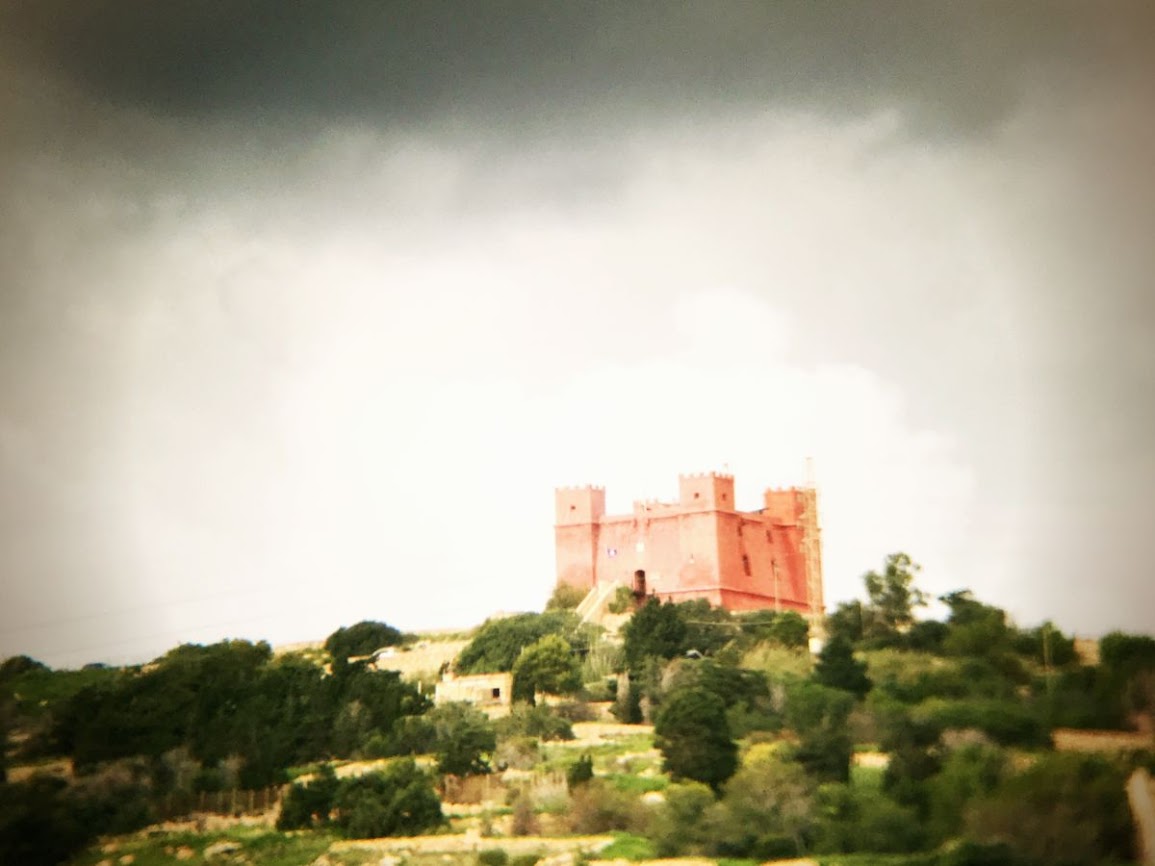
(579, 511)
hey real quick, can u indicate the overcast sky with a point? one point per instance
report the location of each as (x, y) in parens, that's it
(306, 308)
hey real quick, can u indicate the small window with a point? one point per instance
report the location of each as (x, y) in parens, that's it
(769, 537)
(723, 497)
(746, 563)
(696, 495)
(573, 508)
(496, 694)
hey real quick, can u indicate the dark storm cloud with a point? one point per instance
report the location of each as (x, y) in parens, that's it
(954, 66)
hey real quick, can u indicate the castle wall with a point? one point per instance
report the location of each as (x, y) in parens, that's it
(698, 547)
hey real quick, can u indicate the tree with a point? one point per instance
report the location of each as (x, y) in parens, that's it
(464, 738)
(818, 715)
(1065, 808)
(656, 630)
(893, 596)
(399, 801)
(565, 596)
(693, 735)
(767, 809)
(839, 669)
(850, 620)
(362, 639)
(499, 642)
(547, 666)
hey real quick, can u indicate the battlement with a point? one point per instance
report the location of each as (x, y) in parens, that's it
(581, 487)
(721, 475)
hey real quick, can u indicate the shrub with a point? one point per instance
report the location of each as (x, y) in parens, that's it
(565, 597)
(1065, 808)
(534, 721)
(517, 753)
(493, 857)
(399, 801)
(679, 825)
(309, 804)
(580, 772)
(597, 807)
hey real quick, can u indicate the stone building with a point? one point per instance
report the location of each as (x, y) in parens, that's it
(699, 547)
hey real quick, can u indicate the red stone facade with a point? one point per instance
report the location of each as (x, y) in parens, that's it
(697, 547)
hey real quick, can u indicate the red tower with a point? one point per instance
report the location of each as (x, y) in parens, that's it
(698, 547)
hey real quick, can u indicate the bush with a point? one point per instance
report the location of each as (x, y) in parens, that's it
(1064, 809)
(853, 820)
(566, 597)
(309, 804)
(627, 707)
(679, 826)
(580, 772)
(399, 801)
(493, 857)
(597, 807)
(517, 753)
(541, 722)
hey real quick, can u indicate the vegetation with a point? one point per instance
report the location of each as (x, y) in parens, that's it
(751, 750)
(362, 639)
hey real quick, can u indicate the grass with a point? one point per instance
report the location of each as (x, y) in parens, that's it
(259, 847)
(638, 784)
(866, 778)
(628, 846)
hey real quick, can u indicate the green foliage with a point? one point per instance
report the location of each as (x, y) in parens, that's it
(499, 642)
(549, 666)
(915, 750)
(849, 621)
(398, 801)
(892, 596)
(785, 628)
(627, 707)
(580, 772)
(565, 597)
(1006, 722)
(464, 739)
(628, 846)
(622, 600)
(598, 807)
(693, 735)
(309, 804)
(1064, 809)
(534, 721)
(838, 668)
(362, 639)
(233, 698)
(679, 827)
(966, 775)
(707, 628)
(15, 666)
(818, 715)
(849, 820)
(1046, 645)
(766, 812)
(44, 821)
(656, 630)
(493, 857)
(1127, 652)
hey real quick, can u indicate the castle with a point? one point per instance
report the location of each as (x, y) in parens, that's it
(700, 547)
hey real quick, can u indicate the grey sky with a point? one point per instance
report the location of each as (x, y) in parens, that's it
(304, 310)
